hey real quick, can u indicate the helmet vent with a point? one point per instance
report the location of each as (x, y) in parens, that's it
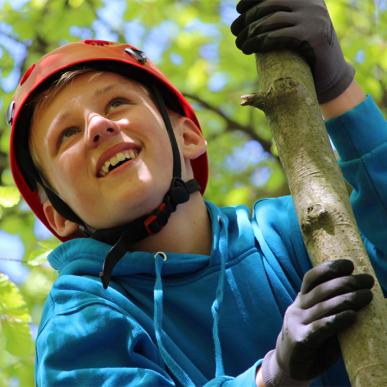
(97, 42)
(10, 111)
(137, 54)
(27, 74)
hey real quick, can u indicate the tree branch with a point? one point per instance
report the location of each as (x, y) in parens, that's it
(231, 124)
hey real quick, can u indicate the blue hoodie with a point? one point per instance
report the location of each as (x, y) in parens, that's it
(186, 319)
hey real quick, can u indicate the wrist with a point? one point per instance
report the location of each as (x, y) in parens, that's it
(350, 98)
(272, 375)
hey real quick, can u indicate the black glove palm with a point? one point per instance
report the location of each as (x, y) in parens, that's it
(326, 305)
(301, 25)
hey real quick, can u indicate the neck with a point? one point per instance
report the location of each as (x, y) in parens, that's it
(188, 230)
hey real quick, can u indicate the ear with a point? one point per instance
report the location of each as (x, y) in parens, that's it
(62, 226)
(191, 138)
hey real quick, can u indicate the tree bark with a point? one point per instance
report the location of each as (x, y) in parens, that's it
(287, 96)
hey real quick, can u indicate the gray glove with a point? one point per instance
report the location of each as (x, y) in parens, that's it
(301, 25)
(326, 305)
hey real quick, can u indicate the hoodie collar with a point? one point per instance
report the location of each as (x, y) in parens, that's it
(84, 256)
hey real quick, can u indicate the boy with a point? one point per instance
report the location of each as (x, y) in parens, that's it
(192, 294)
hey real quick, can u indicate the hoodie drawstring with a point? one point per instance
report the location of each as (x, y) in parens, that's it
(160, 258)
(177, 371)
(215, 308)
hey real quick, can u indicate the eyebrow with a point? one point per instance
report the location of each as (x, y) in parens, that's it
(107, 88)
(97, 93)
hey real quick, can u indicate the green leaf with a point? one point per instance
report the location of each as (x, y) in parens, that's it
(38, 256)
(237, 196)
(9, 196)
(75, 3)
(6, 177)
(18, 338)
(14, 318)
(12, 303)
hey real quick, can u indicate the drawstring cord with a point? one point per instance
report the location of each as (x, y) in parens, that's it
(215, 308)
(177, 371)
(160, 259)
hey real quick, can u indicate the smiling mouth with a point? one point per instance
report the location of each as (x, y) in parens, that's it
(117, 160)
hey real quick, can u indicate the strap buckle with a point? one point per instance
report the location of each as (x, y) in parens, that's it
(154, 223)
(178, 192)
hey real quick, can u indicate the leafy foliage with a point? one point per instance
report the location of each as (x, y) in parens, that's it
(191, 42)
(17, 348)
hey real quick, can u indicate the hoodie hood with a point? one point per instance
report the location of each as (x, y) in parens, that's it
(86, 256)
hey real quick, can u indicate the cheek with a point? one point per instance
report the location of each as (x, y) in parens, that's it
(73, 179)
(70, 166)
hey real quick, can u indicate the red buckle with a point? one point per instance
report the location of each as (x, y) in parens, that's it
(148, 222)
(153, 220)
(161, 207)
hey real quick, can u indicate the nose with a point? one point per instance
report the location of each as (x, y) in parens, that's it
(100, 129)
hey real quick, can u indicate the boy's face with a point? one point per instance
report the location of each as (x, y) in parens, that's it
(95, 117)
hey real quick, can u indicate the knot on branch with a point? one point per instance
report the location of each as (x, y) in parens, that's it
(281, 88)
(314, 218)
(285, 85)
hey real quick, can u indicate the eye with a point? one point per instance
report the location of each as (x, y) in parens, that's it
(116, 102)
(67, 133)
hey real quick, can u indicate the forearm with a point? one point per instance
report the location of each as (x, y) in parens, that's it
(347, 100)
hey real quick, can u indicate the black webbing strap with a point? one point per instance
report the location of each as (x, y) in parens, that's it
(146, 225)
(167, 122)
(61, 206)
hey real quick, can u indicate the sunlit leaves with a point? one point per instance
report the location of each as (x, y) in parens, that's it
(237, 195)
(191, 42)
(7, 62)
(361, 27)
(197, 75)
(38, 256)
(16, 345)
(75, 3)
(14, 318)
(9, 196)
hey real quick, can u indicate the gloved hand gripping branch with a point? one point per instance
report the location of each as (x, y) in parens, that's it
(326, 305)
(300, 25)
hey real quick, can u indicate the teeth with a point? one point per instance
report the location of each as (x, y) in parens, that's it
(120, 156)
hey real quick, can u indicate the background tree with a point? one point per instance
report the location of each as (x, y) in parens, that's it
(191, 42)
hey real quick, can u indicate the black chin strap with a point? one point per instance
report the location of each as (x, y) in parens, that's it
(144, 226)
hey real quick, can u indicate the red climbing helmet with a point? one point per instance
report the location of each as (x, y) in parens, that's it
(123, 58)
